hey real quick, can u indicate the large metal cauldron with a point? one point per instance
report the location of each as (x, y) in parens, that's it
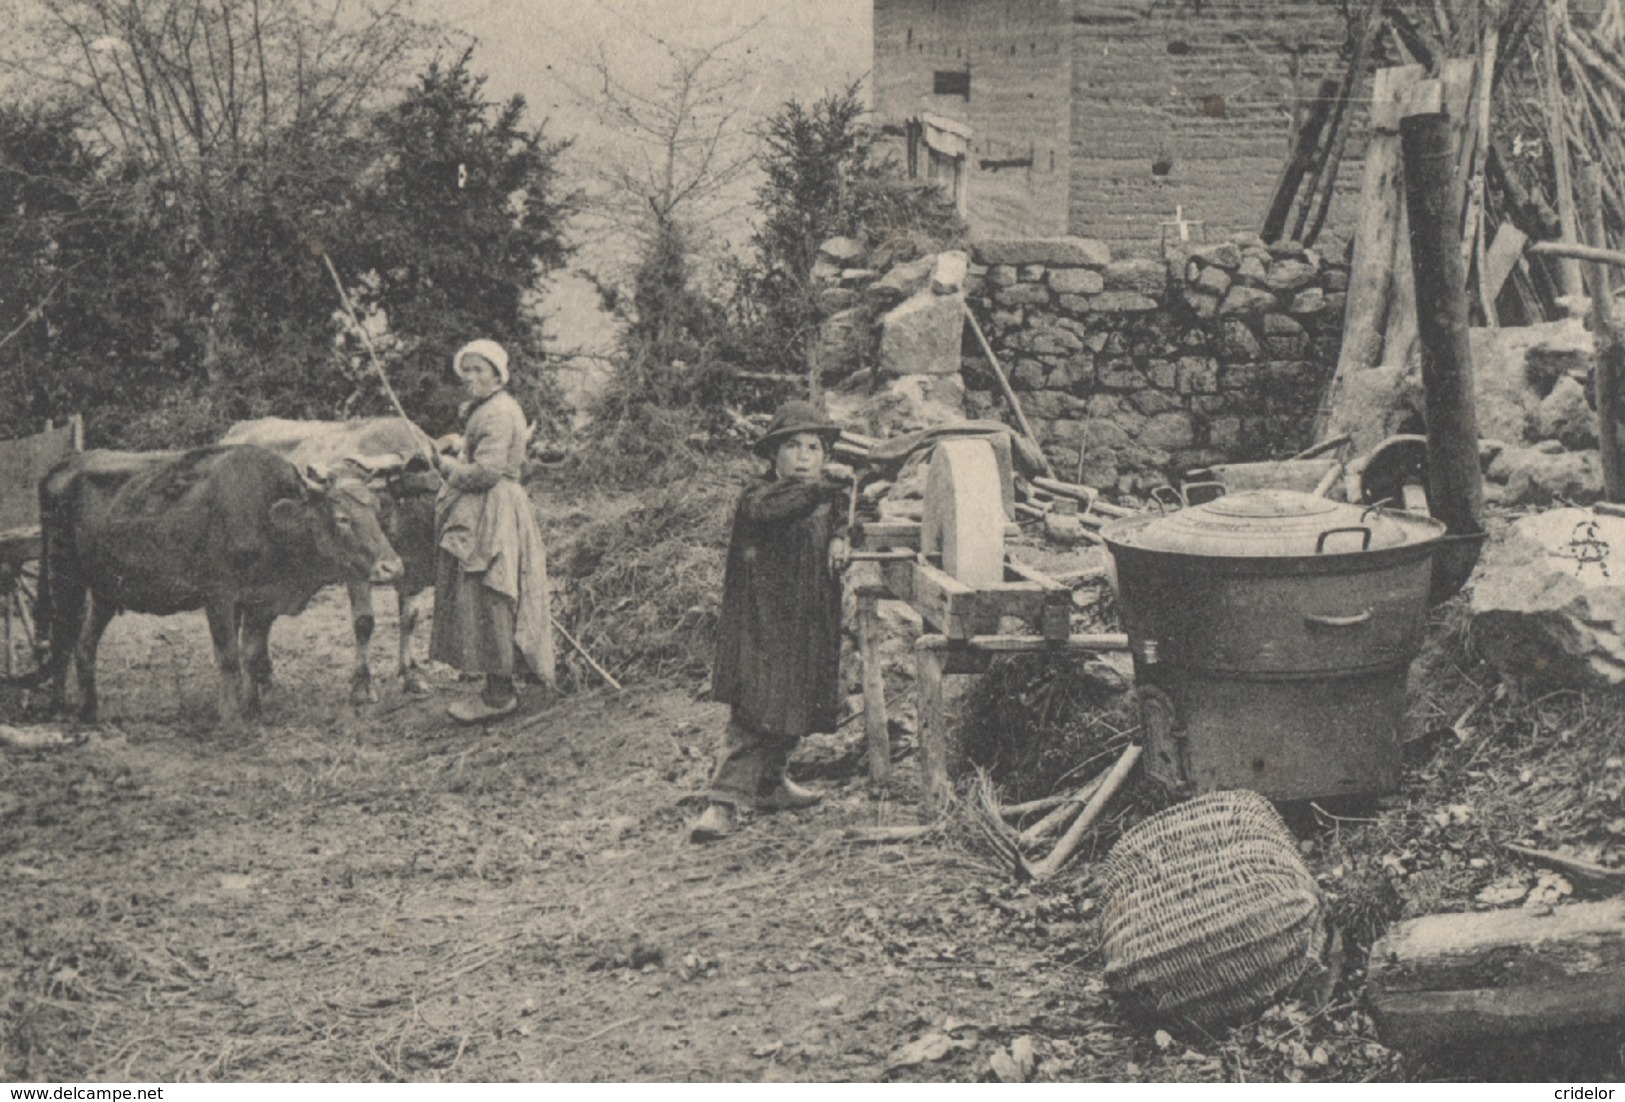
(1272, 632)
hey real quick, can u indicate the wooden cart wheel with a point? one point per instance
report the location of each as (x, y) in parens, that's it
(964, 512)
(22, 642)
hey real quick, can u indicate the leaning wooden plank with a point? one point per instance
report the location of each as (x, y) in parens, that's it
(1449, 980)
(1502, 257)
(1370, 281)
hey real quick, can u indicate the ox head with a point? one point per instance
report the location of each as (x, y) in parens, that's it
(341, 518)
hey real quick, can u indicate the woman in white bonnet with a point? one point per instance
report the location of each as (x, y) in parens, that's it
(490, 595)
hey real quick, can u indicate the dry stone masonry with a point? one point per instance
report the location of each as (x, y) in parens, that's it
(1132, 370)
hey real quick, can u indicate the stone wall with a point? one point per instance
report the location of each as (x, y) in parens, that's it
(1137, 370)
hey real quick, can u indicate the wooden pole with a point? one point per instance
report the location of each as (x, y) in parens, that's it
(1579, 252)
(938, 741)
(1610, 350)
(1068, 845)
(1568, 272)
(1455, 484)
(874, 691)
(1297, 164)
(1009, 393)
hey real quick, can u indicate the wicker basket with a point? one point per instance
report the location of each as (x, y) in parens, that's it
(1208, 912)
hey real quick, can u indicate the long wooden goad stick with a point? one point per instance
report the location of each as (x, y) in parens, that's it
(372, 352)
(394, 400)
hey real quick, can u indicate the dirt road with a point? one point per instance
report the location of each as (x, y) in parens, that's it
(377, 895)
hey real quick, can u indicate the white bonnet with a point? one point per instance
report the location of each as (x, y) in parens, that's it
(491, 350)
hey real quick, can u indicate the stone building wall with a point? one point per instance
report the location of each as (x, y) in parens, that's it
(1017, 79)
(1101, 117)
(1191, 105)
(1133, 371)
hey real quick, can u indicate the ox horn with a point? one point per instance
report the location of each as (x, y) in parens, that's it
(317, 477)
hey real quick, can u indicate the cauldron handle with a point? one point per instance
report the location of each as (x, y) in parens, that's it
(1208, 484)
(1320, 544)
(1162, 495)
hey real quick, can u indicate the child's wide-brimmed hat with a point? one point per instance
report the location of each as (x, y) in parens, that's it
(794, 417)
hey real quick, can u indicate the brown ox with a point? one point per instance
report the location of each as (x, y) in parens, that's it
(406, 512)
(235, 531)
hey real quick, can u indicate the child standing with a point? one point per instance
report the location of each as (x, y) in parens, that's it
(779, 634)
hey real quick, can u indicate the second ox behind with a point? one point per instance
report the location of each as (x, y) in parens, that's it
(365, 445)
(236, 531)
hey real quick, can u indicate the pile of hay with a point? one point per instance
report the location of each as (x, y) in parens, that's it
(639, 583)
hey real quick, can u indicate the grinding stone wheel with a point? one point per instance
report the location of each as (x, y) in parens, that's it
(964, 512)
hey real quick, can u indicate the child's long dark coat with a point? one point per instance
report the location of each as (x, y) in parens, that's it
(779, 635)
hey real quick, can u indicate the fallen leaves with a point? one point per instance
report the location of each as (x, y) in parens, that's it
(1015, 1064)
(926, 1050)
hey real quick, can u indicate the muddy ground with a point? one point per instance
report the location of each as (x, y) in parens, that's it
(377, 895)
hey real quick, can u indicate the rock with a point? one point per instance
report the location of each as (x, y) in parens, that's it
(1253, 268)
(1023, 294)
(843, 251)
(922, 336)
(832, 300)
(1121, 302)
(1027, 375)
(1311, 301)
(1078, 371)
(1064, 530)
(1054, 341)
(1226, 254)
(1514, 367)
(824, 271)
(857, 277)
(1247, 239)
(1290, 275)
(1566, 416)
(841, 340)
(1076, 305)
(904, 281)
(1335, 279)
(1198, 375)
(1076, 281)
(1031, 273)
(1059, 252)
(1560, 348)
(949, 272)
(1548, 600)
(1002, 275)
(1139, 274)
(914, 402)
(1203, 305)
(1168, 430)
(1238, 342)
(1247, 300)
(1214, 280)
(1533, 478)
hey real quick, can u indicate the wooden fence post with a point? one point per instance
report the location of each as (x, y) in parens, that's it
(1455, 483)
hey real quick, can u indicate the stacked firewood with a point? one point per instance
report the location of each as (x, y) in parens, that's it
(1546, 94)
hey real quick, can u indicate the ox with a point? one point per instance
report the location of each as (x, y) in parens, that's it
(406, 512)
(235, 531)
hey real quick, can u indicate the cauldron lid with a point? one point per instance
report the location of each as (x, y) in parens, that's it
(1272, 523)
